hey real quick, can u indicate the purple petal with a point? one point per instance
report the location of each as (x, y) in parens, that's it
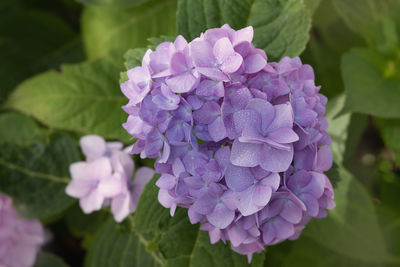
(246, 154)
(283, 135)
(291, 212)
(202, 54)
(236, 235)
(166, 181)
(275, 160)
(238, 178)
(217, 129)
(262, 195)
(254, 63)
(182, 83)
(207, 113)
(221, 216)
(283, 117)
(223, 49)
(284, 229)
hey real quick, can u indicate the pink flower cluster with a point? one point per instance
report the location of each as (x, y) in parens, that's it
(20, 239)
(105, 178)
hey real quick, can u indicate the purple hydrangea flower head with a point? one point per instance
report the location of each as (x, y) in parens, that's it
(239, 141)
(20, 239)
(105, 178)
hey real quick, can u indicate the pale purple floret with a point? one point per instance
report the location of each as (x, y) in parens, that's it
(266, 133)
(106, 178)
(20, 239)
(239, 141)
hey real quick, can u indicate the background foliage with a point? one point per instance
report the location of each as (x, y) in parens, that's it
(61, 65)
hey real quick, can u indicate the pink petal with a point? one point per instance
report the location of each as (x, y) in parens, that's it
(79, 170)
(79, 188)
(120, 207)
(92, 202)
(100, 168)
(93, 146)
(111, 186)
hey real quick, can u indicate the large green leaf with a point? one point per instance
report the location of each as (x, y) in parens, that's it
(35, 175)
(178, 242)
(32, 41)
(323, 51)
(112, 3)
(19, 129)
(280, 26)
(49, 260)
(118, 247)
(390, 129)
(81, 224)
(372, 83)
(338, 126)
(83, 97)
(375, 20)
(108, 29)
(388, 206)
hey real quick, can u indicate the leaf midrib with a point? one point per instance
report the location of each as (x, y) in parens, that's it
(28, 172)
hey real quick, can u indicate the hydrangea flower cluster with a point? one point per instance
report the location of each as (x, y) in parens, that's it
(239, 141)
(20, 239)
(105, 178)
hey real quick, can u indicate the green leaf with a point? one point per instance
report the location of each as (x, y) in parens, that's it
(372, 83)
(81, 224)
(312, 5)
(308, 253)
(49, 260)
(155, 41)
(280, 27)
(375, 20)
(83, 97)
(111, 247)
(133, 57)
(390, 130)
(35, 175)
(32, 41)
(360, 15)
(177, 241)
(108, 29)
(323, 51)
(113, 3)
(388, 208)
(351, 229)
(338, 126)
(20, 129)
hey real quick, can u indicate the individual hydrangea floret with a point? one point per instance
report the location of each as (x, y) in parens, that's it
(239, 141)
(104, 179)
(20, 239)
